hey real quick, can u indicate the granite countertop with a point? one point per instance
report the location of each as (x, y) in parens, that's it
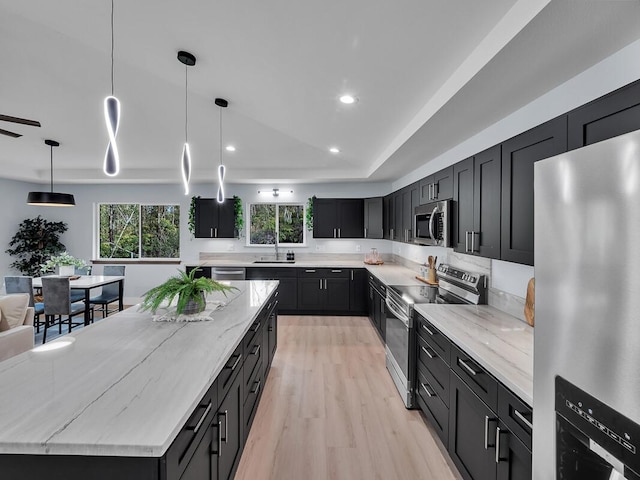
(502, 344)
(126, 386)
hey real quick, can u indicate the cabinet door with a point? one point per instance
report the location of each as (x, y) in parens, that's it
(514, 460)
(204, 463)
(371, 303)
(335, 296)
(485, 239)
(614, 114)
(518, 156)
(230, 421)
(226, 219)
(350, 212)
(272, 331)
(472, 433)
(325, 220)
(388, 218)
(381, 312)
(398, 225)
(358, 291)
(409, 210)
(373, 227)
(443, 181)
(462, 204)
(206, 217)
(425, 190)
(310, 293)
(288, 298)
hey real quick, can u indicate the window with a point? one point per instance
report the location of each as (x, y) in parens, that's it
(131, 230)
(266, 220)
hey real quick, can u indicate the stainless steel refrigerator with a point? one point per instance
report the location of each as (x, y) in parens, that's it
(586, 397)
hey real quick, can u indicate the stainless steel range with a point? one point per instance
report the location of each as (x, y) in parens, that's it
(456, 286)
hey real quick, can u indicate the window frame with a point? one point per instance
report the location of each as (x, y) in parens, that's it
(277, 205)
(139, 259)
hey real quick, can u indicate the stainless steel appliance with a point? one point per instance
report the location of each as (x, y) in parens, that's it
(432, 224)
(587, 311)
(228, 273)
(456, 286)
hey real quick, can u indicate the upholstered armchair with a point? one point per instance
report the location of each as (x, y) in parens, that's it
(16, 325)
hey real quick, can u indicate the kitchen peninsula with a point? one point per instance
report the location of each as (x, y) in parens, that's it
(131, 398)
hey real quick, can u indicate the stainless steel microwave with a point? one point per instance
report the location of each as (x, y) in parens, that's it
(432, 224)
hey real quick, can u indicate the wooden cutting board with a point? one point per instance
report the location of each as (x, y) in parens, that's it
(529, 303)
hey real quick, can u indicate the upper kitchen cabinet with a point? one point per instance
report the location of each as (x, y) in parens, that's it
(614, 114)
(476, 212)
(338, 218)
(373, 208)
(388, 219)
(438, 186)
(213, 219)
(404, 203)
(518, 156)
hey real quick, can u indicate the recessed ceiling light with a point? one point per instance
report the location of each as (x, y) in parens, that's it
(348, 99)
(334, 150)
(230, 148)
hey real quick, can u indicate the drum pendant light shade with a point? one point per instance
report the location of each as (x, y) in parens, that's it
(51, 199)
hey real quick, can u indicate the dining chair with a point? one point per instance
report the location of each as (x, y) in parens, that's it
(110, 293)
(77, 294)
(57, 303)
(19, 284)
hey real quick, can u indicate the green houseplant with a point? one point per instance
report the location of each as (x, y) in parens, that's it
(189, 290)
(34, 242)
(309, 213)
(62, 260)
(239, 216)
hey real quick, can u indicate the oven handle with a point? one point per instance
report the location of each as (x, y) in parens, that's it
(432, 219)
(401, 316)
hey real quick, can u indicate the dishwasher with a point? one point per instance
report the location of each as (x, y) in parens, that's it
(228, 273)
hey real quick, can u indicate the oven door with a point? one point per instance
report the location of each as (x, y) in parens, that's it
(398, 348)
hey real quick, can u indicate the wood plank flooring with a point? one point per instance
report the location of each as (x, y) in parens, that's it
(331, 411)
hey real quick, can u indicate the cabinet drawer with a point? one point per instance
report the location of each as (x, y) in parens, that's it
(516, 414)
(253, 354)
(252, 394)
(476, 377)
(250, 337)
(187, 440)
(429, 360)
(323, 273)
(230, 371)
(434, 338)
(432, 406)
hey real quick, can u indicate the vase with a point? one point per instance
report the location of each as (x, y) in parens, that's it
(192, 307)
(66, 270)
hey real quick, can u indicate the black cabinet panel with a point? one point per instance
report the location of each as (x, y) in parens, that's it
(516, 415)
(358, 291)
(438, 186)
(336, 294)
(485, 239)
(338, 218)
(310, 293)
(614, 114)
(463, 198)
(514, 458)
(373, 225)
(478, 379)
(388, 216)
(432, 405)
(204, 463)
(231, 434)
(518, 156)
(325, 218)
(213, 219)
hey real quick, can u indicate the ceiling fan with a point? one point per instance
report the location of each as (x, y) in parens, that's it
(22, 121)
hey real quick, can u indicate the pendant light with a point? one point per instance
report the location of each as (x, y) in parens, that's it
(222, 103)
(111, 165)
(189, 61)
(51, 199)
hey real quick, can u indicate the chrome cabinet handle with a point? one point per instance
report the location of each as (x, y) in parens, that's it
(426, 350)
(216, 232)
(487, 420)
(255, 327)
(226, 429)
(258, 385)
(256, 351)
(522, 418)
(466, 241)
(320, 284)
(336, 271)
(352, 275)
(339, 233)
(219, 439)
(211, 232)
(473, 241)
(435, 191)
(464, 364)
(392, 235)
(204, 415)
(235, 364)
(498, 433)
(425, 387)
(310, 271)
(325, 283)
(424, 327)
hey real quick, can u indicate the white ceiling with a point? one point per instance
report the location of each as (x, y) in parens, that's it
(428, 74)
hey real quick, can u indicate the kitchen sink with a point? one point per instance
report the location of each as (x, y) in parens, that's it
(273, 260)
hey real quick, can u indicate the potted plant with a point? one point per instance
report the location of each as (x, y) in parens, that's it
(65, 262)
(35, 241)
(189, 290)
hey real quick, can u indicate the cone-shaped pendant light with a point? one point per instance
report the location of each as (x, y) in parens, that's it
(189, 61)
(111, 107)
(222, 103)
(51, 198)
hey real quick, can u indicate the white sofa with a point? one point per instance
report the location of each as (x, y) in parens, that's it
(16, 325)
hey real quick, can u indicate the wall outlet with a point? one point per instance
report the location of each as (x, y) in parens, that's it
(358, 248)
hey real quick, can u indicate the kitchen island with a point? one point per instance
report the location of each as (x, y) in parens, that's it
(131, 398)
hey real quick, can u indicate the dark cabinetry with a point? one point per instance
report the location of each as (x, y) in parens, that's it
(388, 224)
(373, 208)
(438, 186)
(230, 430)
(476, 212)
(287, 289)
(338, 218)
(518, 156)
(401, 209)
(213, 219)
(614, 114)
(358, 291)
(323, 289)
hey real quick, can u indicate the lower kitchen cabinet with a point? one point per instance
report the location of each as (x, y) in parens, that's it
(358, 291)
(204, 463)
(230, 423)
(324, 290)
(513, 457)
(287, 289)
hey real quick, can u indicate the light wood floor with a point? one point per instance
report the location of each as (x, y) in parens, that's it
(331, 411)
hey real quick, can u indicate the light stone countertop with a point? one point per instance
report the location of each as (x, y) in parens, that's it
(126, 386)
(496, 340)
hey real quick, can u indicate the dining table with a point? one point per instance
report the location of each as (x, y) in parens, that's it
(86, 283)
